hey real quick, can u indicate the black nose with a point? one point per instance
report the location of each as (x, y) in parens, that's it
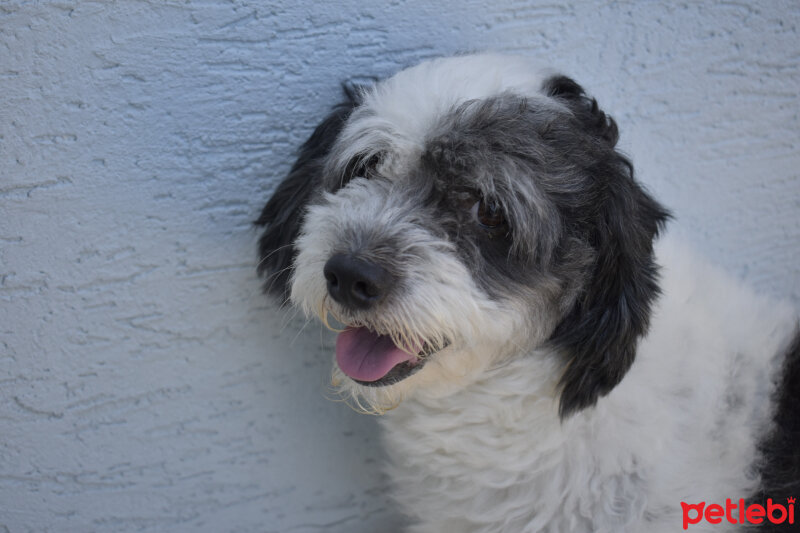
(354, 282)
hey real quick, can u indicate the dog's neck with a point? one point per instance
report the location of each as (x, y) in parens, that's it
(506, 397)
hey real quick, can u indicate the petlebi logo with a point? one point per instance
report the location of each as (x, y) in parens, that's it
(738, 512)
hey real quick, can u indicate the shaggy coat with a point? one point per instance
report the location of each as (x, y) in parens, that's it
(546, 361)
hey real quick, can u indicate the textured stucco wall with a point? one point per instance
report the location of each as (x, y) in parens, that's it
(145, 383)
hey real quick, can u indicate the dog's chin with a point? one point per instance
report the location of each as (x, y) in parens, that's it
(397, 374)
(375, 397)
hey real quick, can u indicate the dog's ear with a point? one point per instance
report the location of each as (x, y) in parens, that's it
(584, 107)
(600, 333)
(284, 213)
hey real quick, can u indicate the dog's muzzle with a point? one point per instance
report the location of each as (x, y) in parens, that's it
(367, 357)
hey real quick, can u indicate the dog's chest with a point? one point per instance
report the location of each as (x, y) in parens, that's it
(482, 461)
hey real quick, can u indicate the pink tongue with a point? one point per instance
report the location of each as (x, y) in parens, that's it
(367, 356)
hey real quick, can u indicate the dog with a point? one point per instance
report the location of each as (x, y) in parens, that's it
(549, 359)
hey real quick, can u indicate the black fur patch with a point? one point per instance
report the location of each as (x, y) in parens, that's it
(780, 450)
(493, 149)
(284, 213)
(584, 107)
(577, 220)
(601, 332)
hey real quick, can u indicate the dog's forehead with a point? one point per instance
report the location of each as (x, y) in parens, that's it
(413, 100)
(398, 115)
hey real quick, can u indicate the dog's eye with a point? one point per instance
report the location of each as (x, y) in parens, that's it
(488, 213)
(363, 167)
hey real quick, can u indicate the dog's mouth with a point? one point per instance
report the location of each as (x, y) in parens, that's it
(374, 360)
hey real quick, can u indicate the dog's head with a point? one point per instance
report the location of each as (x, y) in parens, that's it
(462, 212)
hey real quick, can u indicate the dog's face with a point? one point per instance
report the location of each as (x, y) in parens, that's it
(462, 212)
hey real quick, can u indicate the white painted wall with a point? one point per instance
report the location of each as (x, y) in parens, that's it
(145, 383)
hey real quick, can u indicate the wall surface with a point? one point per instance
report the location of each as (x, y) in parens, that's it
(145, 382)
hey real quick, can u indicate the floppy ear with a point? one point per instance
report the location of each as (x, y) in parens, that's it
(585, 108)
(284, 213)
(601, 331)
